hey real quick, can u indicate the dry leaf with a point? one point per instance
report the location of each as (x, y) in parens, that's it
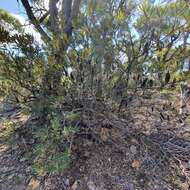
(136, 164)
(104, 134)
(33, 184)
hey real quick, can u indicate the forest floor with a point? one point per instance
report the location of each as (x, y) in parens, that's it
(14, 171)
(117, 161)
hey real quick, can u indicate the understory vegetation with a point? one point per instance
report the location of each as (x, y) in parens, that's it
(108, 82)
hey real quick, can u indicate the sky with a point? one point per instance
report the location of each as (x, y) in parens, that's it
(11, 6)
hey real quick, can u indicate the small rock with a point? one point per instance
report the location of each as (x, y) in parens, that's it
(91, 185)
(134, 141)
(133, 149)
(67, 182)
(28, 169)
(82, 168)
(75, 185)
(22, 159)
(11, 176)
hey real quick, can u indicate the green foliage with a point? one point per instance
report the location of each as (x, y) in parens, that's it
(49, 157)
(106, 49)
(54, 164)
(111, 45)
(5, 17)
(121, 15)
(70, 116)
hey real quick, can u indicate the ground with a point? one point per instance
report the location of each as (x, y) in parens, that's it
(117, 159)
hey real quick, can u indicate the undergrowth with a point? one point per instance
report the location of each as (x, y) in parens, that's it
(53, 148)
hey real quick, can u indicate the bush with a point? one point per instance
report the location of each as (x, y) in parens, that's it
(52, 152)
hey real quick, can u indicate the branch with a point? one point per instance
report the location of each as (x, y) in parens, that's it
(44, 17)
(33, 20)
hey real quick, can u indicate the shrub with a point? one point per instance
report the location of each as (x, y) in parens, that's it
(52, 153)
